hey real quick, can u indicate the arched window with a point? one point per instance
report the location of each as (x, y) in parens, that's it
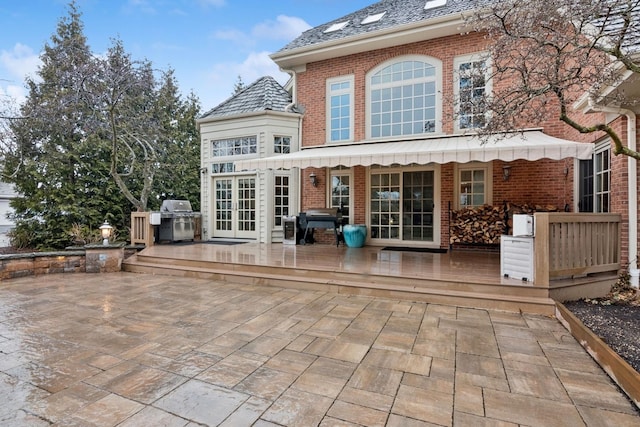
(404, 97)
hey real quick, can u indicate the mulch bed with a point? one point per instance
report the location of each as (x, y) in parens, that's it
(615, 319)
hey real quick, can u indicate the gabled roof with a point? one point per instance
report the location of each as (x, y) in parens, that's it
(397, 13)
(265, 94)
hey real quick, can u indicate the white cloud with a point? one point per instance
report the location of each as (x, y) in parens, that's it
(215, 3)
(283, 28)
(223, 76)
(15, 66)
(143, 6)
(235, 36)
(19, 62)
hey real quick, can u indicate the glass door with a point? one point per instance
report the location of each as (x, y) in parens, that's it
(234, 207)
(245, 207)
(402, 206)
(417, 206)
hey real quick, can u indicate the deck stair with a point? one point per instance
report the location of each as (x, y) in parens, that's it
(461, 290)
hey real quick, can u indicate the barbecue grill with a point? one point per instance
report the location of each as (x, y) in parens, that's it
(177, 221)
(320, 218)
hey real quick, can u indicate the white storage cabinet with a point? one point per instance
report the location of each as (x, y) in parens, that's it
(516, 257)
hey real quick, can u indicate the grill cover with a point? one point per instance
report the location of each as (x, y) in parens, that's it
(175, 206)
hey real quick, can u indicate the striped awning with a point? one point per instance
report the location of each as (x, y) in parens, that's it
(528, 145)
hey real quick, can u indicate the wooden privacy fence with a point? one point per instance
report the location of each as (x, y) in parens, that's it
(575, 244)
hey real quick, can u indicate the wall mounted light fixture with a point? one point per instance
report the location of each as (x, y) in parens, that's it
(314, 179)
(506, 173)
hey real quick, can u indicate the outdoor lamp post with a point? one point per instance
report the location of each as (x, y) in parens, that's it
(105, 232)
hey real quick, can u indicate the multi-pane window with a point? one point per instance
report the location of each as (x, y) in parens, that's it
(340, 190)
(281, 199)
(403, 99)
(418, 192)
(595, 181)
(472, 187)
(221, 167)
(282, 144)
(602, 171)
(340, 109)
(234, 146)
(385, 205)
(471, 86)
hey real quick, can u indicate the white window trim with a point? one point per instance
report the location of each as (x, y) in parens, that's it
(346, 78)
(349, 173)
(437, 64)
(488, 181)
(280, 173)
(273, 143)
(599, 148)
(232, 157)
(474, 57)
(437, 201)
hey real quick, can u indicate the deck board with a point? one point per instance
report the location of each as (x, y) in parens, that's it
(466, 278)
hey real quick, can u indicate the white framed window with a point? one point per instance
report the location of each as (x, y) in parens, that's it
(281, 199)
(340, 109)
(403, 204)
(404, 97)
(471, 86)
(473, 184)
(281, 144)
(340, 191)
(241, 146)
(594, 180)
(223, 167)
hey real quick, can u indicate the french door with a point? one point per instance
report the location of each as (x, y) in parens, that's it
(234, 213)
(402, 206)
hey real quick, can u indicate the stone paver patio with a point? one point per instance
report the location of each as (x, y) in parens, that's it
(128, 350)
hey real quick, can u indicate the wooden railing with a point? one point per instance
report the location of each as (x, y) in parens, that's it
(141, 229)
(571, 244)
(142, 232)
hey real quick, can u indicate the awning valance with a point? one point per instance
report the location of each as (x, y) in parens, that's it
(528, 145)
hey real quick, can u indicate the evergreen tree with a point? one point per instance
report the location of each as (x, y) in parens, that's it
(94, 133)
(179, 175)
(239, 86)
(60, 171)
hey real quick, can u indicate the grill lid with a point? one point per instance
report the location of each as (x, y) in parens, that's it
(175, 206)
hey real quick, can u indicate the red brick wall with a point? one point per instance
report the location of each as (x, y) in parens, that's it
(543, 182)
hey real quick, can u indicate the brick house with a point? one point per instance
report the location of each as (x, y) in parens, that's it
(382, 132)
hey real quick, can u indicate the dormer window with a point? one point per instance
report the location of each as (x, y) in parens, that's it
(336, 27)
(432, 4)
(373, 18)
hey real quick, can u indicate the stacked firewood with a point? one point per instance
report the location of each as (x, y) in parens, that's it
(485, 224)
(480, 225)
(529, 209)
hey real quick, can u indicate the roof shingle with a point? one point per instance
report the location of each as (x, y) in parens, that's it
(398, 12)
(265, 94)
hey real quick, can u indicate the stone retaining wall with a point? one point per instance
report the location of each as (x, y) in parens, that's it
(35, 263)
(90, 259)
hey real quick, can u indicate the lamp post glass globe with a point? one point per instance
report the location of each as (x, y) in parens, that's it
(105, 232)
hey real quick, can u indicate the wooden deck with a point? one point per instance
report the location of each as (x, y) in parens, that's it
(462, 278)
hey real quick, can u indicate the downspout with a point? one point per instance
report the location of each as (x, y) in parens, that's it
(294, 101)
(632, 174)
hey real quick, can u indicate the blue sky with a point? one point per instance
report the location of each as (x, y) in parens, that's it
(209, 43)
